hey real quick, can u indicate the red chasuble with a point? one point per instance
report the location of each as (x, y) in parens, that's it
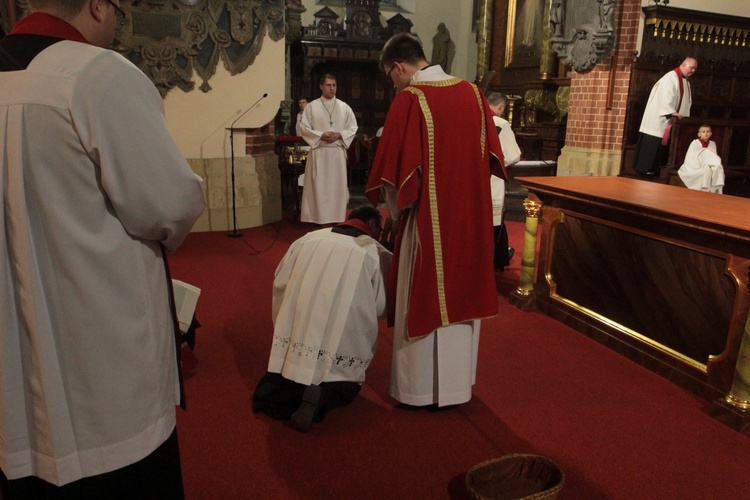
(442, 131)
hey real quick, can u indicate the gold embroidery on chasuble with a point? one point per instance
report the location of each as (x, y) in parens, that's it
(429, 176)
(482, 127)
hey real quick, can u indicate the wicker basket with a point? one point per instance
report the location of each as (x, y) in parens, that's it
(513, 477)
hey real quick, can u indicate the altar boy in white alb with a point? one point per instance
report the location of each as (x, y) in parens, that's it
(328, 126)
(702, 169)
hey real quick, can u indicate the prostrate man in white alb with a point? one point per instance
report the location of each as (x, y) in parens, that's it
(93, 190)
(328, 294)
(512, 153)
(670, 100)
(328, 125)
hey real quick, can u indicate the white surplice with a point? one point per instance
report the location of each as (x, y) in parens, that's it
(702, 169)
(664, 100)
(326, 191)
(91, 183)
(328, 293)
(511, 153)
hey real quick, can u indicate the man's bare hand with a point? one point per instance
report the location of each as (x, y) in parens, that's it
(330, 137)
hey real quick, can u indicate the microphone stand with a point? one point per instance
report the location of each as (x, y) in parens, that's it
(234, 233)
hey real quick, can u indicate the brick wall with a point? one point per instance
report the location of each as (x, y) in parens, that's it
(260, 140)
(596, 113)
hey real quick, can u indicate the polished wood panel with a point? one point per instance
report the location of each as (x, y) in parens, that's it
(656, 272)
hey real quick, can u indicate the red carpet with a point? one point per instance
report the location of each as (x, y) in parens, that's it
(615, 429)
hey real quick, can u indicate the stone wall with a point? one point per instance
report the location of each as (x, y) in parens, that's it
(257, 184)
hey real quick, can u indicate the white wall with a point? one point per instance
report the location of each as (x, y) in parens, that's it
(198, 120)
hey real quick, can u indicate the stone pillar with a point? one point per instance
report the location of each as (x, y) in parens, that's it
(484, 36)
(523, 297)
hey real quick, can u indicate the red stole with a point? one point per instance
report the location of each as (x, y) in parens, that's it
(665, 138)
(358, 224)
(39, 23)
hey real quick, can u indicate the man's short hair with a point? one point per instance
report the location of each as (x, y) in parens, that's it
(496, 98)
(65, 9)
(365, 213)
(327, 76)
(403, 47)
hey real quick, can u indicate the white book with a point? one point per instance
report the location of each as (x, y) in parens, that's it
(185, 299)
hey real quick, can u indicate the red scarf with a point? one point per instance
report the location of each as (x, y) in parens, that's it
(39, 23)
(356, 223)
(680, 76)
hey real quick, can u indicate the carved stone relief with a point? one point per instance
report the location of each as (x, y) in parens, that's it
(583, 32)
(170, 39)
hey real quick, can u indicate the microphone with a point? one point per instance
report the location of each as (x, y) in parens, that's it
(234, 233)
(248, 109)
(222, 125)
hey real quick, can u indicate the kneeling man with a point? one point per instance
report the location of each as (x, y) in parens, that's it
(328, 294)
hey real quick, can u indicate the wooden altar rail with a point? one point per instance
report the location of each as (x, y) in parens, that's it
(658, 273)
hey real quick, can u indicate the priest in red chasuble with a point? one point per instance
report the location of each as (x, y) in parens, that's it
(433, 165)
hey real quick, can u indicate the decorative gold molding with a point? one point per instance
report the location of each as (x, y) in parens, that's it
(701, 33)
(532, 208)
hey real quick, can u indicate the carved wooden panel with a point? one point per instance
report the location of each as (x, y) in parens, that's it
(720, 86)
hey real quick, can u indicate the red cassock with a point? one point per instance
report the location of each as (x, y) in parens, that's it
(442, 131)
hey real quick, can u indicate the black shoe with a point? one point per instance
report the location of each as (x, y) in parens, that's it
(511, 253)
(305, 414)
(651, 173)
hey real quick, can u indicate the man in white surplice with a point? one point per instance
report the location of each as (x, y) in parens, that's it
(670, 100)
(512, 153)
(327, 296)
(328, 126)
(93, 192)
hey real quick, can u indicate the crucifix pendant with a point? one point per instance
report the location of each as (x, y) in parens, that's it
(330, 123)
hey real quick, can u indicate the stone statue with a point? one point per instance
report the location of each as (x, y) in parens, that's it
(556, 18)
(443, 48)
(605, 14)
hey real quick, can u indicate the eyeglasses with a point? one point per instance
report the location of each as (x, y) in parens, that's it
(120, 12)
(388, 75)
